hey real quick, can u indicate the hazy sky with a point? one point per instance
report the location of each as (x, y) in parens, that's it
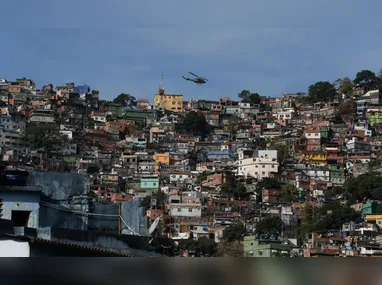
(116, 46)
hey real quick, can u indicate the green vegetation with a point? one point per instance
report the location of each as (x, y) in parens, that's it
(348, 107)
(322, 91)
(237, 190)
(326, 218)
(282, 152)
(125, 100)
(367, 79)
(266, 183)
(233, 232)
(248, 96)
(202, 247)
(289, 193)
(45, 137)
(232, 125)
(269, 225)
(344, 86)
(365, 186)
(195, 123)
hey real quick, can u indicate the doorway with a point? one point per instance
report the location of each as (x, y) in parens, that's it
(20, 218)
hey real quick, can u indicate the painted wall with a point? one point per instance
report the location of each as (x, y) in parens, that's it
(11, 248)
(66, 189)
(21, 201)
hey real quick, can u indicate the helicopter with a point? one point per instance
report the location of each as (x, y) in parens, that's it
(197, 80)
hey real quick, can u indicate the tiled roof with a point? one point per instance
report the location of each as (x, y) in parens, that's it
(84, 247)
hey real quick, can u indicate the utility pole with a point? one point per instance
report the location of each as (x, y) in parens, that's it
(119, 218)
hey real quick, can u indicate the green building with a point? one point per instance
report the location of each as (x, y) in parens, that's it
(265, 248)
(325, 132)
(369, 208)
(150, 183)
(337, 175)
(374, 118)
(141, 118)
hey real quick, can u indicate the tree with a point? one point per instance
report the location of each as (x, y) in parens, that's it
(244, 95)
(288, 193)
(232, 125)
(365, 186)
(46, 137)
(230, 249)
(374, 163)
(344, 86)
(266, 183)
(334, 216)
(146, 202)
(321, 91)
(238, 191)
(366, 78)
(326, 218)
(349, 107)
(247, 96)
(201, 177)
(195, 123)
(308, 220)
(261, 143)
(233, 232)
(380, 74)
(282, 152)
(125, 100)
(205, 247)
(347, 87)
(269, 226)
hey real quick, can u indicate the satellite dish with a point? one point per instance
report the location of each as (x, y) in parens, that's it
(154, 225)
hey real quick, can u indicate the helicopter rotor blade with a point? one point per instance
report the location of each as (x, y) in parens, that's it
(193, 74)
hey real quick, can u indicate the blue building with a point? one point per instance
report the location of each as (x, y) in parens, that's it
(213, 155)
(81, 89)
(150, 182)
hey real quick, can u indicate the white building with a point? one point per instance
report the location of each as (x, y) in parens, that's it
(180, 176)
(284, 115)
(312, 134)
(261, 165)
(186, 205)
(99, 118)
(11, 138)
(42, 116)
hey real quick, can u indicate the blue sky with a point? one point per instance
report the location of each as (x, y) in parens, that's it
(116, 46)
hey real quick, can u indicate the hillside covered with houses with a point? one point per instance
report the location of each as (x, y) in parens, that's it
(240, 175)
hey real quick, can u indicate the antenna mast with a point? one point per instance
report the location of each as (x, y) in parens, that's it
(161, 86)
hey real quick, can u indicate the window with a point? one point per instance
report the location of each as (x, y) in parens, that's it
(190, 210)
(263, 172)
(179, 209)
(263, 166)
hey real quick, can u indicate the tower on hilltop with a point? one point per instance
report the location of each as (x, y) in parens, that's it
(161, 86)
(169, 102)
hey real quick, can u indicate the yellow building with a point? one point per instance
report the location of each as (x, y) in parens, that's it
(170, 102)
(375, 219)
(161, 158)
(314, 157)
